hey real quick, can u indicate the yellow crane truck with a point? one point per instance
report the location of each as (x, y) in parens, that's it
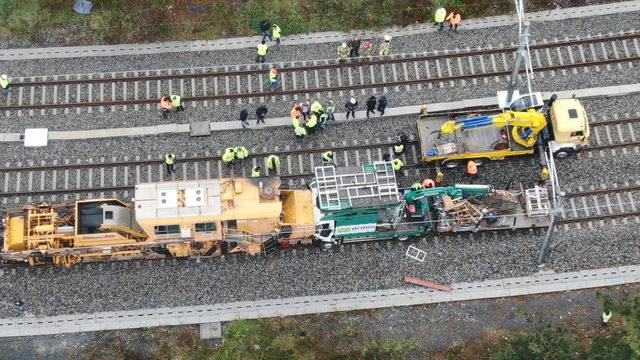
(560, 124)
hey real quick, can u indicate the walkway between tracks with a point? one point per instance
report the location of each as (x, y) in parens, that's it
(286, 121)
(204, 314)
(302, 39)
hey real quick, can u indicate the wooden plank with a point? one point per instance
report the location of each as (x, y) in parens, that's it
(426, 283)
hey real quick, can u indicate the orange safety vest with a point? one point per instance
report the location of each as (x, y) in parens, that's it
(454, 20)
(165, 104)
(472, 169)
(296, 113)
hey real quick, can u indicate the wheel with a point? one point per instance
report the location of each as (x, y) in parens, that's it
(563, 153)
(402, 237)
(452, 164)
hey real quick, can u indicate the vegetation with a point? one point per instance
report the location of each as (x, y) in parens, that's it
(112, 21)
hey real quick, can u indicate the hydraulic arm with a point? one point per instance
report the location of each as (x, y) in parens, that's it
(526, 125)
(453, 191)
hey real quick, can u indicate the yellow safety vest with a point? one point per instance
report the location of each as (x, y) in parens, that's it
(416, 186)
(242, 152)
(255, 172)
(327, 156)
(169, 159)
(300, 131)
(397, 164)
(176, 100)
(398, 148)
(440, 15)
(275, 32)
(313, 121)
(606, 316)
(262, 49)
(273, 77)
(316, 107)
(4, 83)
(273, 161)
(228, 155)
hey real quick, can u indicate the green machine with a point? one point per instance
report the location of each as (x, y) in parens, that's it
(362, 203)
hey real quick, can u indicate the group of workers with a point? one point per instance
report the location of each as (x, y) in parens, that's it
(170, 103)
(353, 48)
(308, 118)
(273, 32)
(440, 16)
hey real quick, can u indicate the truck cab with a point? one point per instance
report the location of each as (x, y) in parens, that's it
(570, 125)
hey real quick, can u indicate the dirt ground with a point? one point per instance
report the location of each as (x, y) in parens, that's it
(462, 329)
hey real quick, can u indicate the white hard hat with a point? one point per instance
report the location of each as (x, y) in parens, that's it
(387, 38)
(352, 100)
(3, 76)
(344, 45)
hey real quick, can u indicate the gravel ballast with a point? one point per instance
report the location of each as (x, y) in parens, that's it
(406, 44)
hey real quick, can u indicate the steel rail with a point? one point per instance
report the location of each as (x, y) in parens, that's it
(319, 90)
(351, 63)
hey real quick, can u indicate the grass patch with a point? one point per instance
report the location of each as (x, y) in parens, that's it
(124, 21)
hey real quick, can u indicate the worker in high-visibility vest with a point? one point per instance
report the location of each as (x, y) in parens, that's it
(385, 46)
(472, 169)
(241, 152)
(311, 124)
(262, 52)
(327, 157)
(606, 317)
(397, 164)
(273, 79)
(176, 102)
(256, 171)
(276, 33)
(273, 162)
(316, 108)
(165, 106)
(416, 186)
(229, 156)
(454, 19)
(169, 160)
(300, 132)
(5, 84)
(439, 17)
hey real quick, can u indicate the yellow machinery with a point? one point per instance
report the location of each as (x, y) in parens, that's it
(494, 135)
(180, 219)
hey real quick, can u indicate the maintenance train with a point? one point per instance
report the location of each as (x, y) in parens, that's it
(257, 215)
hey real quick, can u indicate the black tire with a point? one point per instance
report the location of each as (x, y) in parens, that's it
(563, 153)
(452, 164)
(402, 238)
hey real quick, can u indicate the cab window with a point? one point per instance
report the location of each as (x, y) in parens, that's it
(577, 133)
(167, 229)
(573, 113)
(205, 227)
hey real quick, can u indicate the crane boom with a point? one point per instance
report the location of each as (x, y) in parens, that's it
(526, 125)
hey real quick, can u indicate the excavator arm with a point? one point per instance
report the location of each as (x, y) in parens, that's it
(526, 125)
(453, 191)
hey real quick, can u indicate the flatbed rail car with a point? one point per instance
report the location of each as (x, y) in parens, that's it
(257, 215)
(496, 134)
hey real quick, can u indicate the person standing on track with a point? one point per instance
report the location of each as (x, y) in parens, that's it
(241, 153)
(5, 84)
(244, 114)
(265, 27)
(261, 114)
(382, 104)
(351, 107)
(327, 158)
(176, 103)
(300, 132)
(276, 33)
(262, 52)
(454, 19)
(371, 105)
(305, 109)
(367, 48)
(438, 18)
(165, 106)
(273, 163)
(273, 79)
(472, 169)
(229, 156)
(256, 171)
(296, 113)
(330, 110)
(169, 161)
(385, 46)
(343, 53)
(317, 109)
(354, 46)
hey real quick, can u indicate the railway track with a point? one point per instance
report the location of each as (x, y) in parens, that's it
(211, 86)
(30, 182)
